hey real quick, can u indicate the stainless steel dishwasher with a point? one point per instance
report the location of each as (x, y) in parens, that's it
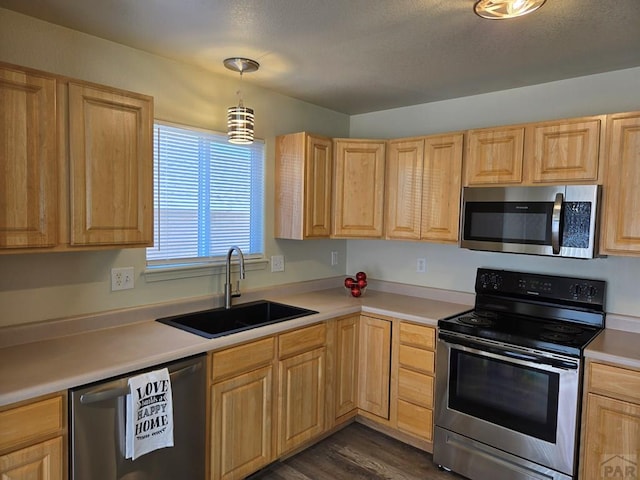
(98, 414)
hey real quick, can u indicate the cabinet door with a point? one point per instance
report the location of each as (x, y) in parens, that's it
(241, 430)
(28, 160)
(42, 461)
(611, 441)
(374, 366)
(346, 387)
(563, 152)
(304, 166)
(301, 399)
(494, 156)
(359, 188)
(403, 189)
(621, 232)
(111, 166)
(441, 188)
(318, 177)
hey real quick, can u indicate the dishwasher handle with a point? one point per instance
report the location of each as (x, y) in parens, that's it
(111, 393)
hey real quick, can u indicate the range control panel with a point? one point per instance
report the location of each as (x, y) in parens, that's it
(541, 287)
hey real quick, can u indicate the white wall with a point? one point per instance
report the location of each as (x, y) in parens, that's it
(450, 267)
(36, 287)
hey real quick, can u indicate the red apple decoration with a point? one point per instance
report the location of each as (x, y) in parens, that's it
(349, 282)
(355, 291)
(362, 283)
(361, 276)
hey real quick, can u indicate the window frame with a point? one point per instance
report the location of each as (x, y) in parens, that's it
(164, 269)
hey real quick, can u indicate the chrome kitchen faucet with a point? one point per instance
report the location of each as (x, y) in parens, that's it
(228, 290)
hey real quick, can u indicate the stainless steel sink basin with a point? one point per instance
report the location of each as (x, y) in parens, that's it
(221, 321)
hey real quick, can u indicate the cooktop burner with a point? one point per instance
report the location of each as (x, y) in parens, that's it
(476, 320)
(558, 337)
(563, 328)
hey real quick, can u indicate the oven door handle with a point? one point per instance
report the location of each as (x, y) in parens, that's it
(553, 362)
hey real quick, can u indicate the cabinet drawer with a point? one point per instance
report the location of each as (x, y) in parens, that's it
(415, 419)
(614, 381)
(31, 421)
(242, 359)
(415, 387)
(417, 359)
(302, 340)
(418, 335)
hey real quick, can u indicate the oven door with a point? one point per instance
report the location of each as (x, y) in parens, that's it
(515, 400)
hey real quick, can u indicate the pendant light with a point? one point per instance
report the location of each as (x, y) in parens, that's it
(240, 118)
(503, 9)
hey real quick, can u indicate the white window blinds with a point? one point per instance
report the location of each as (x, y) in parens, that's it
(208, 195)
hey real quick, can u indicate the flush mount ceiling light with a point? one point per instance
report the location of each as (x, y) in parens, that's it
(502, 9)
(240, 118)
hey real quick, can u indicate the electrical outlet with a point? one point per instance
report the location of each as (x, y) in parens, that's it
(277, 263)
(121, 278)
(334, 259)
(421, 265)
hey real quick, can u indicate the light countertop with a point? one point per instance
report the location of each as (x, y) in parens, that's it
(616, 346)
(29, 370)
(49, 365)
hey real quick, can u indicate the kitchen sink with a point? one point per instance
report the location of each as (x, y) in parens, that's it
(224, 321)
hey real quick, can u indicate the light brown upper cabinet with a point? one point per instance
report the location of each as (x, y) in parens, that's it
(28, 160)
(78, 159)
(621, 226)
(565, 151)
(554, 152)
(358, 188)
(494, 156)
(303, 186)
(111, 166)
(423, 183)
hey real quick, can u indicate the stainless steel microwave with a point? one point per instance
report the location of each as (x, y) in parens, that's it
(558, 220)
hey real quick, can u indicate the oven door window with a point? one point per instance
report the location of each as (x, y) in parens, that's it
(517, 397)
(509, 222)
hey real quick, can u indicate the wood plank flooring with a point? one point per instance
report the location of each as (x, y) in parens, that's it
(357, 453)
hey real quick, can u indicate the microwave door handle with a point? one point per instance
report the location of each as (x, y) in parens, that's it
(555, 223)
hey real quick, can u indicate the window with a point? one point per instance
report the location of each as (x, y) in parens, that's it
(208, 195)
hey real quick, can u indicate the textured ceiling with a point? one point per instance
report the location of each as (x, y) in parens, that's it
(358, 56)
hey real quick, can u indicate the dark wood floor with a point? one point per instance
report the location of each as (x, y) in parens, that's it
(357, 453)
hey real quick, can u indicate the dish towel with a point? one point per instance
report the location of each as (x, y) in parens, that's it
(149, 423)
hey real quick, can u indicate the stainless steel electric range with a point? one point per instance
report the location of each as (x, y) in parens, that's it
(509, 375)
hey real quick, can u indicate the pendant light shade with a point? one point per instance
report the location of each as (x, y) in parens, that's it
(502, 9)
(240, 125)
(240, 119)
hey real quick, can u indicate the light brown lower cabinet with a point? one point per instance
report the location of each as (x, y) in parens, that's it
(301, 400)
(415, 374)
(242, 430)
(374, 366)
(273, 396)
(301, 386)
(346, 369)
(241, 409)
(41, 461)
(610, 446)
(33, 440)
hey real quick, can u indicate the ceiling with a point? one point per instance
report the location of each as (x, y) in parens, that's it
(359, 56)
